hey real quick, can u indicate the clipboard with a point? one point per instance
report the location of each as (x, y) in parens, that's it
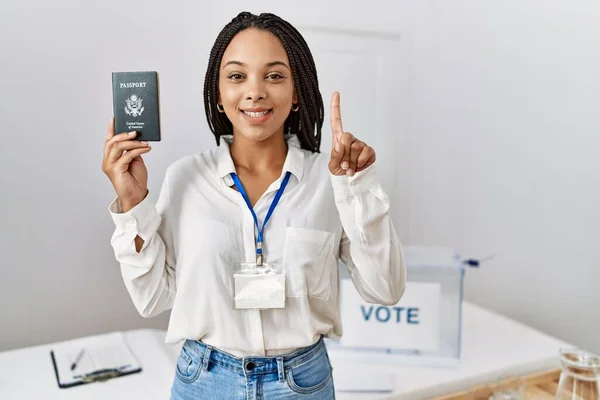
(106, 357)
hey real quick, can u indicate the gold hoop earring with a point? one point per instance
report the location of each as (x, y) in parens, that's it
(220, 109)
(297, 107)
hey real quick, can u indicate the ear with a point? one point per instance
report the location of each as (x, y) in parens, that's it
(295, 97)
(219, 98)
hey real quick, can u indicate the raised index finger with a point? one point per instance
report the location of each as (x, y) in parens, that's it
(336, 116)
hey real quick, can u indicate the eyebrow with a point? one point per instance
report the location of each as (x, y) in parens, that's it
(269, 64)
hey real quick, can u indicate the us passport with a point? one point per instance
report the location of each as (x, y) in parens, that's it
(136, 104)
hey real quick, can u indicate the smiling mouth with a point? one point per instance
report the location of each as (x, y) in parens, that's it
(256, 114)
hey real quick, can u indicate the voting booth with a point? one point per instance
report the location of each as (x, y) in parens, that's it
(424, 327)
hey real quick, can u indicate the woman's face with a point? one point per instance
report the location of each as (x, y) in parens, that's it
(255, 84)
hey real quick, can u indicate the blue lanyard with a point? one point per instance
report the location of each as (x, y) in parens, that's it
(259, 239)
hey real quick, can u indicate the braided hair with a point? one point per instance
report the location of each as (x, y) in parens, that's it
(307, 122)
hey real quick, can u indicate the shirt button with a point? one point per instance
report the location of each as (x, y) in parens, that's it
(130, 224)
(250, 366)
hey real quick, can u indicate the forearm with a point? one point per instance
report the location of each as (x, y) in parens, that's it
(370, 247)
(148, 264)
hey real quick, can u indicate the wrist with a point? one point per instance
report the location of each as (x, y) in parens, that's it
(128, 203)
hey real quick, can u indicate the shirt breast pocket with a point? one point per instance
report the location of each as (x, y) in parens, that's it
(308, 259)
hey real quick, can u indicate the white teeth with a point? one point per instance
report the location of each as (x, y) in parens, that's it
(256, 114)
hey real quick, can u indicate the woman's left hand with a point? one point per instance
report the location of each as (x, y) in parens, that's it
(348, 154)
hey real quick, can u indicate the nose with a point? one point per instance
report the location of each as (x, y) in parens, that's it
(256, 91)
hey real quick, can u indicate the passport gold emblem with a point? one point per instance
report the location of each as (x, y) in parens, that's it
(134, 105)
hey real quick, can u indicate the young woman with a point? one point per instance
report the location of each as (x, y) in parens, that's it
(243, 242)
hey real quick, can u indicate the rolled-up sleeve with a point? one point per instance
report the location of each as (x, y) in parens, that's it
(369, 245)
(149, 275)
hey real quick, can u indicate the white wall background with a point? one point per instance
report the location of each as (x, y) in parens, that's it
(504, 155)
(496, 142)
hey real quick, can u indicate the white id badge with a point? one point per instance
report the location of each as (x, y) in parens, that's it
(258, 287)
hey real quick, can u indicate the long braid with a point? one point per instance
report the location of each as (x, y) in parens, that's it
(305, 87)
(307, 122)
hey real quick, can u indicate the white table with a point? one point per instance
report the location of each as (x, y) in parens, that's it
(493, 347)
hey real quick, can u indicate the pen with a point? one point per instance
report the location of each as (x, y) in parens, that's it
(74, 365)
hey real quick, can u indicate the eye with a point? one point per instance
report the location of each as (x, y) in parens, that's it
(274, 76)
(235, 76)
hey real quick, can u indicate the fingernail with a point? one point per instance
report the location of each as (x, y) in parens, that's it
(345, 165)
(338, 148)
(349, 172)
(132, 133)
(142, 142)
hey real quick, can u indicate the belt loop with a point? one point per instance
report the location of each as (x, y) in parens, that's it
(206, 357)
(280, 370)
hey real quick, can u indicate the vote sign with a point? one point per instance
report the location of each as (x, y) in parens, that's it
(412, 323)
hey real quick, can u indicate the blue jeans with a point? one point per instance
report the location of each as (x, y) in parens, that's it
(204, 372)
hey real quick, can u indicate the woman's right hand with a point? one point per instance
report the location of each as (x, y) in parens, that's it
(124, 166)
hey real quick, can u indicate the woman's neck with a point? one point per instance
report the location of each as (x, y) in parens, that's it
(259, 157)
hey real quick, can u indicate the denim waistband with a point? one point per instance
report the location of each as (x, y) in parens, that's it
(254, 365)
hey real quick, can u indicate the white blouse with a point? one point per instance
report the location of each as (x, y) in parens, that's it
(200, 229)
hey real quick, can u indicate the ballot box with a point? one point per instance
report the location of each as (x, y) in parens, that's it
(423, 328)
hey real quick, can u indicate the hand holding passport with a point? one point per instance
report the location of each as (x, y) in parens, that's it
(136, 122)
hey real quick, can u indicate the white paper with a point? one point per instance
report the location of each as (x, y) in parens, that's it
(413, 323)
(261, 291)
(356, 378)
(100, 352)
